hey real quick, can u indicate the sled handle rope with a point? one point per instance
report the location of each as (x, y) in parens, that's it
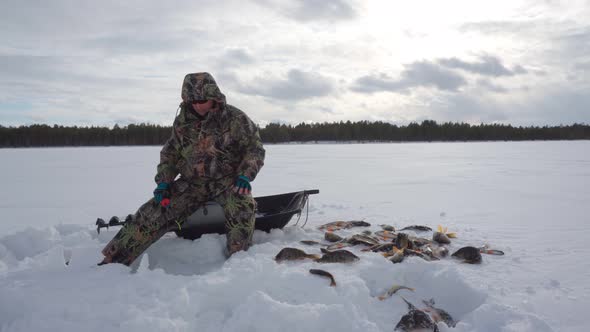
(306, 212)
(306, 194)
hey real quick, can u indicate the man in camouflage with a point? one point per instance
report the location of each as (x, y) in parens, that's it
(217, 151)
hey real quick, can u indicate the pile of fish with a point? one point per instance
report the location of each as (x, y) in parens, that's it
(395, 246)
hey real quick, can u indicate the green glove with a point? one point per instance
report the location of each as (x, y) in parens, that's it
(243, 183)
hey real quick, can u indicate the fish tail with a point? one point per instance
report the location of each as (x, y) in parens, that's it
(493, 252)
(439, 229)
(452, 235)
(333, 282)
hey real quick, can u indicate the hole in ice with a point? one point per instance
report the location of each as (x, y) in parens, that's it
(185, 257)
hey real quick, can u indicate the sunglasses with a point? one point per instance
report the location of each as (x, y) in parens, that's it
(199, 101)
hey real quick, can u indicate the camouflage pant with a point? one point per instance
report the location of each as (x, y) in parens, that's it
(151, 221)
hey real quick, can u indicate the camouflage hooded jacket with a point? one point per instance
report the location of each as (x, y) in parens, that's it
(218, 147)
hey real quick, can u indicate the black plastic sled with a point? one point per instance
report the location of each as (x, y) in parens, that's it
(274, 211)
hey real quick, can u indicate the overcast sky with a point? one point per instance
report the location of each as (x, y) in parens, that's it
(524, 62)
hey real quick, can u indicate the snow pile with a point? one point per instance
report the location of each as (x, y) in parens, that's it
(182, 285)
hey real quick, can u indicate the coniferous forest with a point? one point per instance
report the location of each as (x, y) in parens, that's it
(148, 134)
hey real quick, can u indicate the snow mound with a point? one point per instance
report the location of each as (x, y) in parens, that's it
(182, 285)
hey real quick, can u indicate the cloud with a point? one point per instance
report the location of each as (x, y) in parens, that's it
(314, 10)
(298, 85)
(501, 26)
(440, 74)
(584, 66)
(573, 43)
(581, 70)
(239, 55)
(235, 57)
(518, 70)
(488, 85)
(129, 44)
(560, 106)
(417, 74)
(487, 65)
(327, 110)
(13, 66)
(553, 105)
(468, 108)
(556, 24)
(47, 75)
(554, 41)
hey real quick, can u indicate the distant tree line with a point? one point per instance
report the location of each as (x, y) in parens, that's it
(148, 134)
(428, 130)
(44, 135)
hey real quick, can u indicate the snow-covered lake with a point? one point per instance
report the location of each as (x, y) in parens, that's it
(529, 199)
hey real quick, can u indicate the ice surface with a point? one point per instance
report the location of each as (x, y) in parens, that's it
(529, 199)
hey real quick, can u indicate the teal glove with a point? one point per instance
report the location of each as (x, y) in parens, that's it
(243, 184)
(162, 193)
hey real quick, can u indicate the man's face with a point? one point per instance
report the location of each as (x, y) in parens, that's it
(202, 107)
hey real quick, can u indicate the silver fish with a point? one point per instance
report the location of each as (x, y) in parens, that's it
(418, 228)
(394, 290)
(388, 228)
(469, 255)
(332, 237)
(415, 320)
(338, 256)
(324, 274)
(402, 241)
(292, 254)
(398, 257)
(438, 314)
(441, 238)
